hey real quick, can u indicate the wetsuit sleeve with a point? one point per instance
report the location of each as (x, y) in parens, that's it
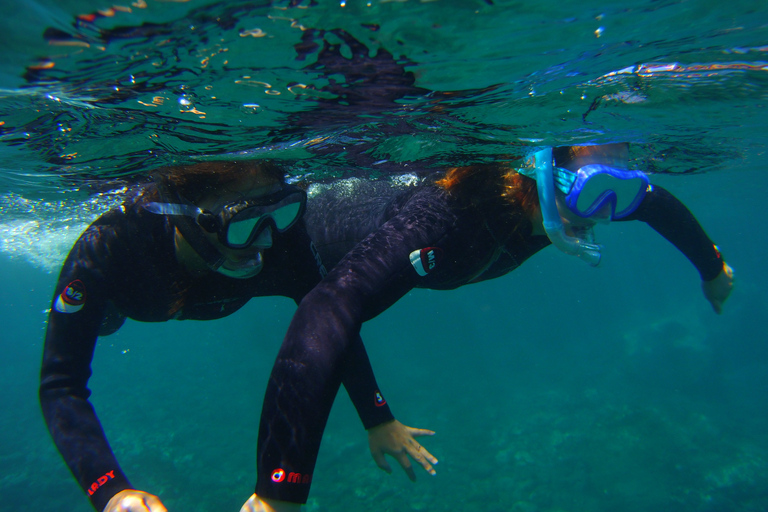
(76, 314)
(309, 365)
(357, 376)
(669, 217)
(360, 383)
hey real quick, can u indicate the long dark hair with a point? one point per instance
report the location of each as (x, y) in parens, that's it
(196, 181)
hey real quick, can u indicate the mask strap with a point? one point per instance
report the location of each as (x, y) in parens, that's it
(194, 236)
(173, 209)
(183, 217)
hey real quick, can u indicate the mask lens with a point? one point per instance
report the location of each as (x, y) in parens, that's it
(622, 190)
(626, 193)
(285, 216)
(245, 225)
(594, 191)
(242, 226)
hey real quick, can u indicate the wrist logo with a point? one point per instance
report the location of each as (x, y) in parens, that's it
(279, 476)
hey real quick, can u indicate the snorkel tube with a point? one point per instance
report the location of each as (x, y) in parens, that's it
(553, 224)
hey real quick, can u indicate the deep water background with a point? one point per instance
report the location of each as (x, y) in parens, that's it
(558, 387)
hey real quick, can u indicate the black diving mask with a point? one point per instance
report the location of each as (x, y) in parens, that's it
(238, 224)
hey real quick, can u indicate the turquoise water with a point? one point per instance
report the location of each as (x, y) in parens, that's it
(557, 388)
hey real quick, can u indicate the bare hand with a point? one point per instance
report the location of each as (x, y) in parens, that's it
(395, 439)
(130, 500)
(256, 504)
(717, 290)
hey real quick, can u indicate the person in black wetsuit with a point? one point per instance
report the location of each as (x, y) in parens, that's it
(197, 244)
(468, 225)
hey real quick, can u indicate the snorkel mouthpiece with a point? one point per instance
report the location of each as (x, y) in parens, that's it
(244, 269)
(553, 224)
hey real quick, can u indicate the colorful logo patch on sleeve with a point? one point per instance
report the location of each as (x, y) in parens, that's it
(425, 260)
(378, 399)
(72, 299)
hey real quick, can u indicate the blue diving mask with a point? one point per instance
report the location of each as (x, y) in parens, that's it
(589, 192)
(599, 190)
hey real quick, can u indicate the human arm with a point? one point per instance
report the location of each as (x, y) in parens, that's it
(76, 314)
(385, 434)
(669, 217)
(357, 374)
(308, 369)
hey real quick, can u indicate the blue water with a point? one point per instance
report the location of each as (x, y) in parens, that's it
(557, 388)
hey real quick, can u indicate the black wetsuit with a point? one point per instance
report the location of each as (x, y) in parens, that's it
(420, 238)
(124, 265)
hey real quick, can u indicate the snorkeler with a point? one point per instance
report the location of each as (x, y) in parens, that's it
(468, 225)
(198, 243)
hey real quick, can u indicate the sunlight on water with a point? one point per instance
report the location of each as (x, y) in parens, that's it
(42, 232)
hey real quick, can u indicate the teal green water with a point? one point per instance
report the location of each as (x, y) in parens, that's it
(558, 388)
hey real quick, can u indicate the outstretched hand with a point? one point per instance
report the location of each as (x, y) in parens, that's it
(718, 289)
(131, 500)
(395, 439)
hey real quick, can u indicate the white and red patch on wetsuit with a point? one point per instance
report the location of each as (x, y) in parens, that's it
(426, 259)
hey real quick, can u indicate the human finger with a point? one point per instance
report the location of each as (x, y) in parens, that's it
(381, 461)
(405, 462)
(423, 457)
(421, 451)
(419, 432)
(154, 504)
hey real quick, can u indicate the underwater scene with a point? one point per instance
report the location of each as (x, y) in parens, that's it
(555, 388)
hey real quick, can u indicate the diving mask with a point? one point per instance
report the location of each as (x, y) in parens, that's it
(595, 188)
(589, 192)
(238, 224)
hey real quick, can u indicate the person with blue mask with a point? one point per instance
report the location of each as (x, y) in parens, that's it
(457, 227)
(196, 243)
(594, 187)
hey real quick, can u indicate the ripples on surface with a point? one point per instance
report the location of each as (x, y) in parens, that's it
(371, 89)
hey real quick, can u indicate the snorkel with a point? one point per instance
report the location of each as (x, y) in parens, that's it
(553, 224)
